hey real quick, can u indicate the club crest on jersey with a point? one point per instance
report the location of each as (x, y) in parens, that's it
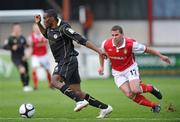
(55, 36)
(125, 51)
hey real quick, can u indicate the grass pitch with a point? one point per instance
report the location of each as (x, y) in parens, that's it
(52, 106)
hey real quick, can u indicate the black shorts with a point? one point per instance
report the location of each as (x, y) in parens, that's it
(68, 71)
(17, 62)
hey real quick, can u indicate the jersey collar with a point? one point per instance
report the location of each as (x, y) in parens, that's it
(59, 22)
(122, 46)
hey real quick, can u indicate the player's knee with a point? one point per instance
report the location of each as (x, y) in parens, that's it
(22, 70)
(79, 93)
(55, 81)
(130, 94)
(136, 91)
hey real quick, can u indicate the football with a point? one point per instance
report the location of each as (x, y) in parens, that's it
(26, 110)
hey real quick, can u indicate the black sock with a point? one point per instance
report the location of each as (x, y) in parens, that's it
(24, 79)
(92, 101)
(68, 92)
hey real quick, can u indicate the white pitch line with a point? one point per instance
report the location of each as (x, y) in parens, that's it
(116, 119)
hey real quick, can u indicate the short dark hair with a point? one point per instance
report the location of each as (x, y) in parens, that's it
(117, 27)
(16, 23)
(51, 13)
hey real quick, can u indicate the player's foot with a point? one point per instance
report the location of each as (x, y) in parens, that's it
(104, 112)
(51, 87)
(156, 109)
(80, 105)
(156, 93)
(27, 88)
(35, 88)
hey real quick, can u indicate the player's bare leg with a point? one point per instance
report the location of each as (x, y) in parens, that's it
(48, 75)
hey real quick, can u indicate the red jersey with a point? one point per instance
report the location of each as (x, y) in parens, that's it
(39, 44)
(122, 57)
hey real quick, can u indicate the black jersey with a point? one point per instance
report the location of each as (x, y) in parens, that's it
(21, 43)
(61, 41)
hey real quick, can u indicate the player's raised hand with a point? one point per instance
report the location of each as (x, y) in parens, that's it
(165, 59)
(37, 18)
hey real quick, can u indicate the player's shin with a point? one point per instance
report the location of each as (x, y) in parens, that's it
(68, 92)
(93, 102)
(35, 79)
(140, 99)
(24, 79)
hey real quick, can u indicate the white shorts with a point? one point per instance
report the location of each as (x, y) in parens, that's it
(129, 74)
(40, 61)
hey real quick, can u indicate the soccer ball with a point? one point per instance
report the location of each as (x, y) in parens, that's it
(26, 110)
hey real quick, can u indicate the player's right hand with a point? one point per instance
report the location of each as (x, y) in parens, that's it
(101, 71)
(15, 47)
(37, 19)
(165, 59)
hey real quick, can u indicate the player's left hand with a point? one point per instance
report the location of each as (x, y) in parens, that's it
(165, 59)
(101, 71)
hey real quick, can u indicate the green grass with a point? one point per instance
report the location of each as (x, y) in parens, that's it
(52, 106)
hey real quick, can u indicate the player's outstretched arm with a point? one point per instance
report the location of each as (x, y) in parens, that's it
(157, 53)
(37, 20)
(90, 45)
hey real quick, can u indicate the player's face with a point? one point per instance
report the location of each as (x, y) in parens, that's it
(16, 30)
(116, 35)
(47, 20)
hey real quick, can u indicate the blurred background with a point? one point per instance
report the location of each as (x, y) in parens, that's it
(151, 22)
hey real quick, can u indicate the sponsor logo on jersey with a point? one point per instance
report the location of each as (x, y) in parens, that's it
(117, 58)
(71, 30)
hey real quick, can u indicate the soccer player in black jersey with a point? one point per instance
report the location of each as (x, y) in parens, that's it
(66, 75)
(17, 44)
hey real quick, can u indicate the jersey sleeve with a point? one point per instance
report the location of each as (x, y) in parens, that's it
(69, 32)
(29, 40)
(102, 46)
(138, 48)
(45, 34)
(6, 45)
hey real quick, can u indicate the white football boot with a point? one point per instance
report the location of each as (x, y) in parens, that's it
(104, 112)
(80, 105)
(27, 89)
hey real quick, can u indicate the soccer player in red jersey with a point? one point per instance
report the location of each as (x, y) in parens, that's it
(120, 51)
(39, 55)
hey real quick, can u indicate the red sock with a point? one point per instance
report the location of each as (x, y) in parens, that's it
(49, 78)
(35, 79)
(140, 99)
(146, 88)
